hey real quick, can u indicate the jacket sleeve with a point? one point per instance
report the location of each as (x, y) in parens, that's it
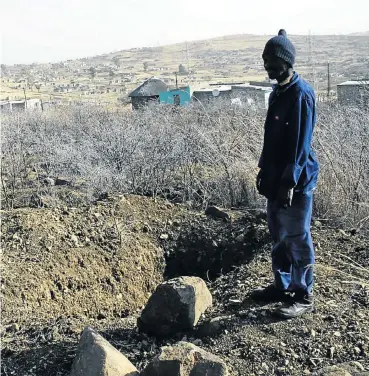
(261, 158)
(299, 136)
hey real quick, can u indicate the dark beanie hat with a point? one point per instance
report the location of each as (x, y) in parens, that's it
(282, 47)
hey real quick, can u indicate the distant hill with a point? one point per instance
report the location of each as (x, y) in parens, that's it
(232, 58)
(361, 34)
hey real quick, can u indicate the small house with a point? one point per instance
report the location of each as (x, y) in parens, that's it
(353, 93)
(21, 105)
(147, 92)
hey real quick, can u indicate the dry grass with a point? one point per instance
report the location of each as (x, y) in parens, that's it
(201, 154)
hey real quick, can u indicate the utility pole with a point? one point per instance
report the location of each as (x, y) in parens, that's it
(176, 73)
(311, 60)
(187, 61)
(329, 81)
(25, 98)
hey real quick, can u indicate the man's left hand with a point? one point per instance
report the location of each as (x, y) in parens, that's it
(285, 196)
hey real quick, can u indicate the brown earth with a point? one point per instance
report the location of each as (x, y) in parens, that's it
(94, 261)
(65, 268)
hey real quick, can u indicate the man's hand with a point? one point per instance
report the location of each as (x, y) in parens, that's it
(258, 180)
(285, 196)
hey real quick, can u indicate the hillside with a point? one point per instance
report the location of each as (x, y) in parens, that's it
(110, 77)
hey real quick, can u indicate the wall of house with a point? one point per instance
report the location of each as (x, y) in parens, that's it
(169, 96)
(252, 96)
(139, 102)
(353, 94)
(205, 96)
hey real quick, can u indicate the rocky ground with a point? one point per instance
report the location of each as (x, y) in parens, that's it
(65, 268)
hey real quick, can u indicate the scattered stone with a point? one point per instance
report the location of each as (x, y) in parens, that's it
(213, 327)
(317, 224)
(174, 306)
(240, 238)
(103, 196)
(331, 352)
(96, 356)
(215, 212)
(357, 350)
(60, 181)
(74, 238)
(146, 228)
(185, 359)
(197, 342)
(265, 367)
(49, 181)
(164, 236)
(235, 302)
(343, 234)
(12, 328)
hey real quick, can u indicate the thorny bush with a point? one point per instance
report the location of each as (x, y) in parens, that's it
(200, 155)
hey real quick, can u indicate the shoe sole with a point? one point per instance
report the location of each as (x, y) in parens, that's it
(285, 316)
(283, 299)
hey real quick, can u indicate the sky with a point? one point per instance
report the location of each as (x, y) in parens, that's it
(56, 30)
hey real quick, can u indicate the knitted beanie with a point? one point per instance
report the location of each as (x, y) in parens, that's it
(282, 47)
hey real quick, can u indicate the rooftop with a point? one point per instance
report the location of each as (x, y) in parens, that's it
(354, 83)
(151, 87)
(211, 89)
(263, 88)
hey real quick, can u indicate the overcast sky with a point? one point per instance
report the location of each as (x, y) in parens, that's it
(55, 30)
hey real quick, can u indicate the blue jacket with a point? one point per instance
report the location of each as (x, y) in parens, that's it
(287, 158)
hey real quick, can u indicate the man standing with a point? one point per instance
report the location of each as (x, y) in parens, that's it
(287, 178)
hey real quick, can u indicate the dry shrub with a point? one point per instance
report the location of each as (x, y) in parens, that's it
(202, 154)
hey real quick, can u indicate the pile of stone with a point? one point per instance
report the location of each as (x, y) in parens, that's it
(175, 306)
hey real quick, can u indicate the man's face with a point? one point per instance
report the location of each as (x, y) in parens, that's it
(274, 66)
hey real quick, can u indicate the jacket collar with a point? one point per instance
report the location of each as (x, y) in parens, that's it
(281, 89)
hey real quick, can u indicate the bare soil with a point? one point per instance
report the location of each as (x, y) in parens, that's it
(64, 268)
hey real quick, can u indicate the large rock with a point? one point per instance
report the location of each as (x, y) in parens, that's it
(215, 212)
(185, 359)
(97, 357)
(345, 369)
(174, 306)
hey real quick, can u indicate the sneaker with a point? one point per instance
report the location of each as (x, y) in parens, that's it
(269, 294)
(296, 308)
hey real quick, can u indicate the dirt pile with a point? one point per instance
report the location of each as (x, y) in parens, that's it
(96, 261)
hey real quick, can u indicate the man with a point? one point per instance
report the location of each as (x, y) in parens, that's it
(287, 178)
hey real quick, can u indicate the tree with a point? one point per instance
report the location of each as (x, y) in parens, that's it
(146, 66)
(4, 70)
(38, 86)
(182, 69)
(92, 71)
(116, 61)
(111, 73)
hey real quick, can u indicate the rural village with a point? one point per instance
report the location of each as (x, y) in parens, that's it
(183, 73)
